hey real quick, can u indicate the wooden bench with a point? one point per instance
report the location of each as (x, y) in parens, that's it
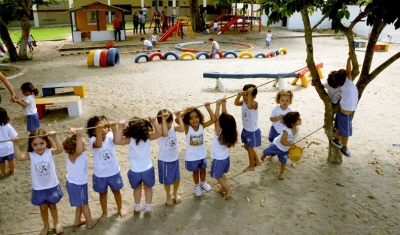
(73, 103)
(381, 47)
(48, 89)
(360, 43)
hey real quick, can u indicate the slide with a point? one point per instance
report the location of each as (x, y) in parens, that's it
(219, 18)
(231, 22)
(169, 32)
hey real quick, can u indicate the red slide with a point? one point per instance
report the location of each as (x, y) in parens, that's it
(1, 48)
(219, 18)
(231, 22)
(169, 32)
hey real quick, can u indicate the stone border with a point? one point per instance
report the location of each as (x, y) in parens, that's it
(22, 72)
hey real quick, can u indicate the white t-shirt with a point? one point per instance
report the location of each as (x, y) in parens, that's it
(249, 118)
(31, 108)
(195, 144)
(215, 25)
(278, 125)
(105, 158)
(216, 45)
(147, 43)
(168, 147)
(290, 138)
(77, 172)
(144, 10)
(43, 171)
(154, 38)
(268, 37)
(334, 93)
(30, 39)
(349, 96)
(7, 132)
(218, 151)
(139, 155)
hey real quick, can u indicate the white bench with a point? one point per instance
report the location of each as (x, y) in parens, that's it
(73, 103)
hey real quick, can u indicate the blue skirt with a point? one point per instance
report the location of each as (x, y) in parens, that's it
(32, 122)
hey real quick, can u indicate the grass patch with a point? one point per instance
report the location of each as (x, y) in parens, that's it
(43, 33)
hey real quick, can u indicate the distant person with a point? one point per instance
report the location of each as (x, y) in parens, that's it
(7, 132)
(117, 28)
(154, 38)
(10, 88)
(164, 22)
(268, 38)
(142, 22)
(29, 106)
(214, 48)
(147, 45)
(135, 22)
(157, 18)
(31, 42)
(144, 10)
(215, 26)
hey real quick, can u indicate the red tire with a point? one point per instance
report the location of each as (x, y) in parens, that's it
(103, 58)
(270, 54)
(218, 53)
(158, 54)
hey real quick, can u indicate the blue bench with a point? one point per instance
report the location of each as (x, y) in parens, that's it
(79, 88)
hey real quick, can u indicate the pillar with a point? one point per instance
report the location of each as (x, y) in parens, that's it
(35, 15)
(72, 5)
(174, 7)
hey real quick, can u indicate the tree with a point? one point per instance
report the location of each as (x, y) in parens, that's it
(195, 13)
(378, 14)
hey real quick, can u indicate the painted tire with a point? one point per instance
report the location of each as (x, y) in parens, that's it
(156, 54)
(246, 53)
(184, 54)
(138, 57)
(282, 51)
(259, 54)
(103, 58)
(198, 55)
(90, 58)
(96, 59)
(276, 52)
(174, 54)
(113, 57)
(230, 53)
(218, 53)
(270, 54)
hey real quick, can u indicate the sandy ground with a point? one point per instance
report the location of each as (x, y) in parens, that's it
(316, 197)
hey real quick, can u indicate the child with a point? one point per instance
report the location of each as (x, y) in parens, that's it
(28, 103)
(215, 26)
(138, 135)
(154, 38)
(46, 192)
(31, 42)
(147, 44)
(348, 104)
(281, 144)
(268, 38)
(106, 171)
(75, 147)
(214, 48)
(195, 157)
(7, 132)
(251, 133)
(168, 159)
(225, 137)
(284, 99)
(334, 91)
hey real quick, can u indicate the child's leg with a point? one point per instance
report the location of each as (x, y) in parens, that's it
(118, 201)
(281, 173)
(202, 174)
(137, 194)
(224, 186)
(196, 177)
(90, 223)
(103, 204)
(345, 139)
(3, 168)
(78, 219)
(54, 215)
(148, 194)
(253, 159)
(12, 166)
(178, 198)
(168, 192)
(44, 213)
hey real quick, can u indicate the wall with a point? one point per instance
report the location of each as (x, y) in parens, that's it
(295, 22)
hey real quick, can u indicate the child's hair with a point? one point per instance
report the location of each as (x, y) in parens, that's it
(159, 118)
(154, 32)
(340, 77)
(186, 118)
(141, 39)
(211, 39)
(247, 86)
(269, 30)
(291, 118)
(330, 80)
(284, 93)
(229, 134)
(139, 129)
(4, 119)
(92, 123)
(69, 144)
(45, 138)
(27, 86)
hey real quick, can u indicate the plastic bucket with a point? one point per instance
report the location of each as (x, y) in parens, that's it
(295, 154)
(109, 44)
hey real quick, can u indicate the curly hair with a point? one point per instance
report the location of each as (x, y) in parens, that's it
(291, 118)
(69, 144)
(4, 119)
(229, 134)
(139, 129)
(186, 118)
(159, 117)
(92, 122)
(27, 86)
(284, 93)
(37, 132)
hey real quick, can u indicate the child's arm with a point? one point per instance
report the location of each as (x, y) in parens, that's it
(212, 116)
(250, 103)
(188, 110)
(9, 86)
(348, 69)
(17, 153)
(119, 137)
(224, 110)
(181, 127)
(216, 123)
(238, 101)
(21, 102)
(59, 148)
(157, 127)
(99, 139)
(79, 143)
(113, 127)
(284, 141)
(164, 128)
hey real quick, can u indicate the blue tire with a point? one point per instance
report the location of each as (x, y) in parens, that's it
(138, 57)
(276, 52)
(198, 55)
(174, 54)
(113, 57)
(230, 53)
(260, 54)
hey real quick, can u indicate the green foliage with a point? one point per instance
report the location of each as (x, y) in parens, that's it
(8, 11)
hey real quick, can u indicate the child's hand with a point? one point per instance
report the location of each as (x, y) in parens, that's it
(52, 134)
(72, 130)
(79, 132)
(207, 105)
(112, 124)
(241, 93)
(250, 90)
(121, 123)
(281, 117)
(189, 109)
(152, 118)
(165, 116)
(178, 114)
(218, 102)
(223, 101)
(292, 146)
(99, 128)
(15, 140)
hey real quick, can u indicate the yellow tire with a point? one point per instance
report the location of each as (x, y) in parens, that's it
(184, 54)
(282, 50)
(245, 53)
(90, 58)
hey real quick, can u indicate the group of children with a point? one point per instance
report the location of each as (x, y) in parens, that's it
(148, 45)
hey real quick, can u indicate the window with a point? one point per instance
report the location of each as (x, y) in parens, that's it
(91, 17)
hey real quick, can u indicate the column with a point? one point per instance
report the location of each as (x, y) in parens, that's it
(35, 15)
(72, 5)
(174, 7)
(109, 13)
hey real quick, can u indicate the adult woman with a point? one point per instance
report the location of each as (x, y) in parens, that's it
(157, 21)
(135, 22)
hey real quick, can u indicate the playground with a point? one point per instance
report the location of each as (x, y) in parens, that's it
(360, 196)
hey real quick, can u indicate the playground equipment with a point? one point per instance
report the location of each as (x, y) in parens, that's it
(177, 29)
(103, 58)
(180, 46)
(303, 75)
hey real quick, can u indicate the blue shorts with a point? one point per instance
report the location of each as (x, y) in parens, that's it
(195, 165)
(7, 158)
(78, 194)
(220, 167)
(50, 195)
(273, 150)
(215, 29)
(32, 122)
(149, 48)
(168, 172)
(272, 134)
(343, 124)
(146, 177)
(100, 184)
(153, 42)
(252, 139)
(267, 43)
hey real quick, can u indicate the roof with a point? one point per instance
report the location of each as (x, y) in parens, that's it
(84, 8)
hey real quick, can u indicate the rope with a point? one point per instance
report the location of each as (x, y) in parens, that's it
(309, 134)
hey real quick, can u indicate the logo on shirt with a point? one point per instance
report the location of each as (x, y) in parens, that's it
(196, 140)
(337, 95)
(245, 115)
(105, 157)
(43, 168)
(171, 143)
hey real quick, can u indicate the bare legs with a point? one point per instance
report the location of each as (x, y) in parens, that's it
(54, 215)
(103, 204)
(253, 159)
(225, 188)
(85, 210)
(177, 198)
(3, 167)
(148, 194)
(118, 201)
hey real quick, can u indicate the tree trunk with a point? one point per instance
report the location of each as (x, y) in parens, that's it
(5, 36)
(195, 14)
(26, 27)
(334, 154)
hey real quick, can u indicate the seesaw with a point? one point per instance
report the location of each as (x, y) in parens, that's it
(278, 76)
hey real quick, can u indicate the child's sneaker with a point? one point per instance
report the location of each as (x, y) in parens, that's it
(345, 151)
(147, 208)
(138, 208)
(197, 190)
(337, 143)
(205, 186)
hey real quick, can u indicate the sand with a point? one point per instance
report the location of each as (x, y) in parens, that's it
(360, 196)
